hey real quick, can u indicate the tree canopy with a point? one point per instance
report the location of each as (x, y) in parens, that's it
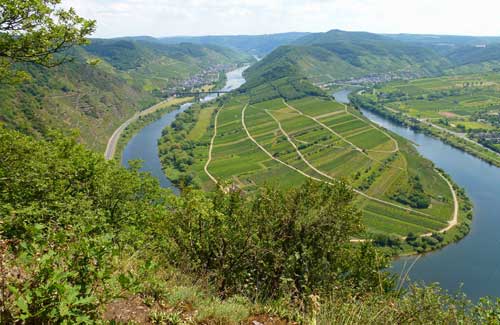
(35, 31)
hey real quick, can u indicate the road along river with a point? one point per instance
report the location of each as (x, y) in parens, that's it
(475, 260)
(144, 145)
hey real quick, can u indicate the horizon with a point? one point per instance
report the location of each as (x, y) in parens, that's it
(171, 18)
(292, 32)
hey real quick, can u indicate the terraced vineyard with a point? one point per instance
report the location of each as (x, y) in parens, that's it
(287, 142)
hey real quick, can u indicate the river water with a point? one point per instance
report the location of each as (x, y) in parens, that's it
(144, 145)
(475, 260)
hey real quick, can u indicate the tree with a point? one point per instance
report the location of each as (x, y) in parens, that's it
(274, 242)
(34, 31)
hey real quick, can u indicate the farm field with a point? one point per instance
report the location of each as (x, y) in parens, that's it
(466, 104)
(286, 143)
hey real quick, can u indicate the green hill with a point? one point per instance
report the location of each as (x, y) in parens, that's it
(473, 59)
(444, 43)
(141, 56)
(97, 98)
(255, 44)
(281, 78)
(339, 55)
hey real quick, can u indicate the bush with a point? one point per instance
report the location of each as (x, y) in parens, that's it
(274, 243)
(65, 212)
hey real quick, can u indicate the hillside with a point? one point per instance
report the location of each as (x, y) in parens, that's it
(444, 43)
(474, 59)
(259, 45)
(340, 55)
(97, 98)
(160, 64)
(281, 79)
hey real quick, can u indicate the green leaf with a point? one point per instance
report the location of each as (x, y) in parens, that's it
(23, 305)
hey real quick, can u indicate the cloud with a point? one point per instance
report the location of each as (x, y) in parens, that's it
(203, 17)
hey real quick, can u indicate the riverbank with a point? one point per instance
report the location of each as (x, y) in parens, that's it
(474, 260)
(137, 125)
(126, 131)
(422, 126)
(129, 128)
(141, 141)
(457, 229)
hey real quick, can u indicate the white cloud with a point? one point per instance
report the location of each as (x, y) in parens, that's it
(204, 17)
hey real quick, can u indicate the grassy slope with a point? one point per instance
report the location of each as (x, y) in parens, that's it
(92, 99)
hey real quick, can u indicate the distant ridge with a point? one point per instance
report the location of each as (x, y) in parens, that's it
(339, 55)
(256, 44)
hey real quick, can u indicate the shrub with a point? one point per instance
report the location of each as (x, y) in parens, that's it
(275, 242)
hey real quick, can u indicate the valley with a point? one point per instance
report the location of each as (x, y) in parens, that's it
(250, 145)
(107, 83)
(287, 178)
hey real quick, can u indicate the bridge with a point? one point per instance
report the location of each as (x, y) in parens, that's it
(198, 94)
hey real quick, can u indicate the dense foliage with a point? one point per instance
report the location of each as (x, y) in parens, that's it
(277, 243)
(35, 30)
(66, 214)
(176, 149)
(414, 195)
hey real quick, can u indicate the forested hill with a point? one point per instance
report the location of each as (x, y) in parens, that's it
(339, 55)
(255, 44)
(97, 98)
(127, 54)
(281, 79)
(445, 43)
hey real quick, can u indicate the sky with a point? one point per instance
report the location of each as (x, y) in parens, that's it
(234, 17)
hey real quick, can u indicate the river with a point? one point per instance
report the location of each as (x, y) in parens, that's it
(475, 260)
(144, 145)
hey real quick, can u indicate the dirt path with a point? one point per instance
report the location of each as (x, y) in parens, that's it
(267, 152)
(396, 144)
(360, 150)
(210, 148)
(453, 222)
(328, 128)
(334, 179)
